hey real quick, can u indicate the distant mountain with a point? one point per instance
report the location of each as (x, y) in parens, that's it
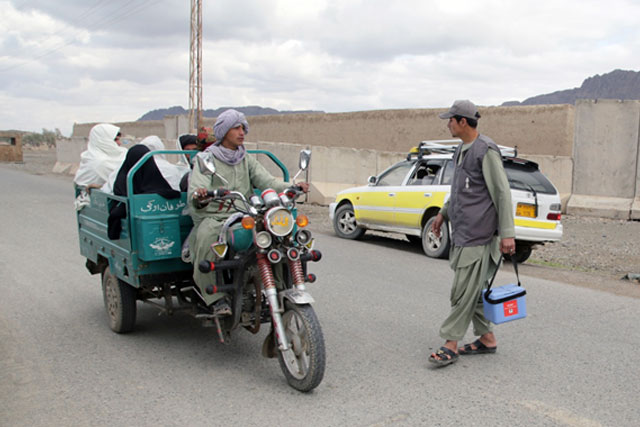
(618, 84)
(252, 110)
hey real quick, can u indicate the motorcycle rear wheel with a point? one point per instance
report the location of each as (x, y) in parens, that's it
(303, 364)
(120, 302)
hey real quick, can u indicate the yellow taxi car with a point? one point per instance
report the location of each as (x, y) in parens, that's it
(406, 197)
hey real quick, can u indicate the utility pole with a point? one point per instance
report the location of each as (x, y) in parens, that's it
(195, 67)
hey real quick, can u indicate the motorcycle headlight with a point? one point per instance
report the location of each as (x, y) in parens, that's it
(263, 239)
(279, 221)
(303, 237)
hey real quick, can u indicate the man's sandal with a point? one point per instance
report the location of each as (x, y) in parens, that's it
(480, 348)
(444, 357)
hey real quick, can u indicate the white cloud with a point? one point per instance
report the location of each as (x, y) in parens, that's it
(79, 61)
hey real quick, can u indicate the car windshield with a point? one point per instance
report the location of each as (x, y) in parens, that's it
(395, 174)
(527, 177)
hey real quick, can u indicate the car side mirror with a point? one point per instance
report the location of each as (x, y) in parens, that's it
(373, 180)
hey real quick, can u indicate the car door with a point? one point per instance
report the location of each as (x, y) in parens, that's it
(376, 205)
(421, 191)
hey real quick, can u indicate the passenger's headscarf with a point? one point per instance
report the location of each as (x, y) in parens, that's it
(185, 139)
(172, 173)
(226, 121)
(184, 163)
(154, 144)
(146, 180)
(102, 156)
(229, 120)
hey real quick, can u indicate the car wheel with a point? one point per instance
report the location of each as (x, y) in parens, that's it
(436, 247)
(344, 223)
(523, 252)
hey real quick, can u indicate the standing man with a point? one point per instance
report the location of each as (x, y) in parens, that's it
(480, 211)
(242, 173)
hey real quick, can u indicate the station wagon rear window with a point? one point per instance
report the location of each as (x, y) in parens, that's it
(527, 176)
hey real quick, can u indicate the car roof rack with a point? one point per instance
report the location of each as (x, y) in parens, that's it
(447, 146)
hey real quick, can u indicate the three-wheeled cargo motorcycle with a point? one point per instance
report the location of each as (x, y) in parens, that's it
(262, 257)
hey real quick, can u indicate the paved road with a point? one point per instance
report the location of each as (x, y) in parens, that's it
(573, 361)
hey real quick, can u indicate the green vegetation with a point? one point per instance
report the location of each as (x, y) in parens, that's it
(47, 137)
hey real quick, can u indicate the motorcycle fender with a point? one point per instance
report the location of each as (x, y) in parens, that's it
(296, 296)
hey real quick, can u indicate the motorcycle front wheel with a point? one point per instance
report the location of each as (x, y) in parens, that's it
(303, 363)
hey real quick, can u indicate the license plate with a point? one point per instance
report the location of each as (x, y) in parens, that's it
(523, 209)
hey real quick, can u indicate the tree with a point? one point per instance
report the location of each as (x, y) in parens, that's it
(47, 137)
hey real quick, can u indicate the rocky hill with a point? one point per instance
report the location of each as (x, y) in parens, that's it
(252, 110)
(618, 84)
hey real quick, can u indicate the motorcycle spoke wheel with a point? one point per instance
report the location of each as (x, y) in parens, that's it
(303, 363)
(297, 357)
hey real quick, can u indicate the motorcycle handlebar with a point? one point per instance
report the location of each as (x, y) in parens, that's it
(216, 194)
(294, 191)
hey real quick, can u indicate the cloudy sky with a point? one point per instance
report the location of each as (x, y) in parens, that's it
(67, 61)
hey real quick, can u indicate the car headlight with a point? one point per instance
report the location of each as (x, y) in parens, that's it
(263, 239)
(279, 221)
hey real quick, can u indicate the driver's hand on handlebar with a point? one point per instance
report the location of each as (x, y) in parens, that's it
(304, 186)
(200, 194)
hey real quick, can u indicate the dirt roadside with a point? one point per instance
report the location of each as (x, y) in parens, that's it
(594, 252)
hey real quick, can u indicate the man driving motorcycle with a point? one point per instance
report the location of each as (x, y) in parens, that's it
(234, 171)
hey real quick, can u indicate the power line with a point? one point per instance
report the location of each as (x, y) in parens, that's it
(120, 13)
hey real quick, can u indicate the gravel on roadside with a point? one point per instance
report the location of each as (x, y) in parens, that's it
(594, 252)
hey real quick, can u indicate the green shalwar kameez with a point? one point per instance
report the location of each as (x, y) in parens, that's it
(474, 265)
(208, 220)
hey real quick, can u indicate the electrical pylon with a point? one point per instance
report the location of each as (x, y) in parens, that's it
(195, 67)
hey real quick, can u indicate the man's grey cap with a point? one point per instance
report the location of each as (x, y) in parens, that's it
(462, 107)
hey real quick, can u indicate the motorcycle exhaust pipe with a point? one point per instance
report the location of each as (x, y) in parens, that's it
(208, 266)
(211, 289)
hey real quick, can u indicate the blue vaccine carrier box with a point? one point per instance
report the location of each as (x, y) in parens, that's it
(504, 303)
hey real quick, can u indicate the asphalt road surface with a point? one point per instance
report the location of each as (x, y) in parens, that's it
(573, 361)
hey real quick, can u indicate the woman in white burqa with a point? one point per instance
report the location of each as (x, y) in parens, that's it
(172, 173)
(102, 156)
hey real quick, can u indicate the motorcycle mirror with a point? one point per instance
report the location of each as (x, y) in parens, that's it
(305, 157)
(207, 166)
